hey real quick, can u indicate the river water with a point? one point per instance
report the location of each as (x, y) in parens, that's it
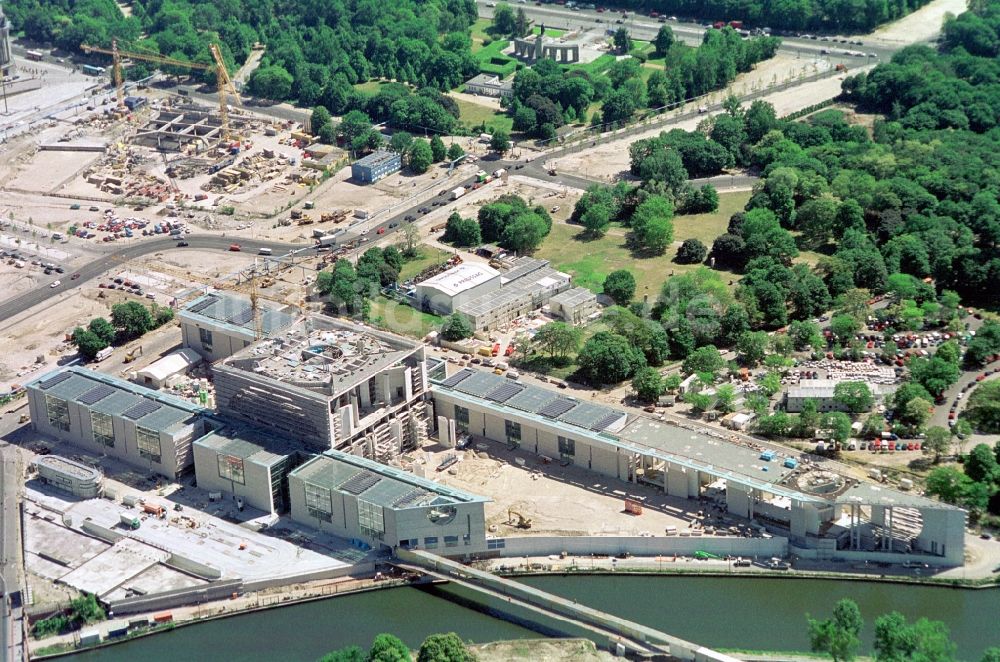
(724, 612)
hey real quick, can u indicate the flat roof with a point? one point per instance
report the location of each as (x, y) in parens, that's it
(522, 266)
(709, 451)
(265, 450)
(322, 354)
(879, 495)
(67, 466)
(110, 395)
(535, 400)
(460, 278)
(377, 483)
(690, 448)
(377, 158)
(574, 297)
(234, 312)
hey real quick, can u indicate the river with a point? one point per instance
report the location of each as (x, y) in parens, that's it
(723, 612)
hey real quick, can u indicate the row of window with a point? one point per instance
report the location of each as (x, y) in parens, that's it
(103, 429)
(567, 447)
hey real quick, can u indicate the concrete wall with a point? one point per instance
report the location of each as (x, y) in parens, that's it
(639, 546)
(176, 598)
(943, 535)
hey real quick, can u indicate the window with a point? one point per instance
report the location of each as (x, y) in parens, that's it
(318, 502)
(370, 519)
(567, 446)
(513, 432)
(431, 542)
(451, 541)
(461, 418)
(58, 413)
(149, 444)
(103, 429)
(496, 543)
(231, 468)
(205, 336)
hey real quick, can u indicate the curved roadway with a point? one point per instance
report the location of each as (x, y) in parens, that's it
(95, 268)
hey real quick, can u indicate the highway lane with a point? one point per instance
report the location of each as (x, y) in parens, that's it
(645, 28)
(138, 248)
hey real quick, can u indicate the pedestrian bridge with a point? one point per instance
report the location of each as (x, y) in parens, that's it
(559, 614)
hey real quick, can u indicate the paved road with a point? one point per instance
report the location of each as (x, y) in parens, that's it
(138, 248)
(645, 28)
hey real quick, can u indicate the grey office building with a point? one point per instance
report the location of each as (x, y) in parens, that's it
(329, 383)
(382, 506)
(110, 416)
(220, 324)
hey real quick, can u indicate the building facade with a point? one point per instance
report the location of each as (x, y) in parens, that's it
(220, 324)
(69, 476)
(375, 166)
(446, 292)
(385, 507)
(490, 86)
(822, 392)
(329, 383)
(825, 515)
(574, 306)
(110, 416)
(242, 464)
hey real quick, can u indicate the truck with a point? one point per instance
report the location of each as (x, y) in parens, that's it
(329, 239)
(457, 193)
(154, 509)
(103, 354)
(129, 521)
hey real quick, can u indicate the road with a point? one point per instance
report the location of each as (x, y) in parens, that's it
(139, 248)
(645, 28)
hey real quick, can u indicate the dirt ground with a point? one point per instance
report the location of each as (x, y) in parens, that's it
(922, 25)
(540, 492)
(609, 159)
(541, 650)
(480, 100)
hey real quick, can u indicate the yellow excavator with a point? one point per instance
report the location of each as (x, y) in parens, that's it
(132, 353)
(518, 520)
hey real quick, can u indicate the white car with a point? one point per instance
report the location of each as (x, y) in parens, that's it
(56, 283)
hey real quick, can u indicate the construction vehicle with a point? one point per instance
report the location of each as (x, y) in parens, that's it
(521, 522)
(704, 556)
(224, 83)
(132, 353)
(129, 521)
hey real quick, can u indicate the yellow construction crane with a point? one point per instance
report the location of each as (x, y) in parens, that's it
(223, 82)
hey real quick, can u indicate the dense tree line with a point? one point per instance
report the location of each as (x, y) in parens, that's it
(830, 15)
(547, 95)
(314, 48)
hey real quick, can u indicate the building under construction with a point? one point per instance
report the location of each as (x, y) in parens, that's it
(329, 383)
(175, 128)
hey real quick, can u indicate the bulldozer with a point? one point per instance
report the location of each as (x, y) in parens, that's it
(521, 522)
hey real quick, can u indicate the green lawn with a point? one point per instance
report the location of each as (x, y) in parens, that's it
(401, 318)
(590, 261)
(371, 87)
(428, 255)
(472, 114)
(479, 32)
(549, 32)
(707, 227)
(597, 66)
